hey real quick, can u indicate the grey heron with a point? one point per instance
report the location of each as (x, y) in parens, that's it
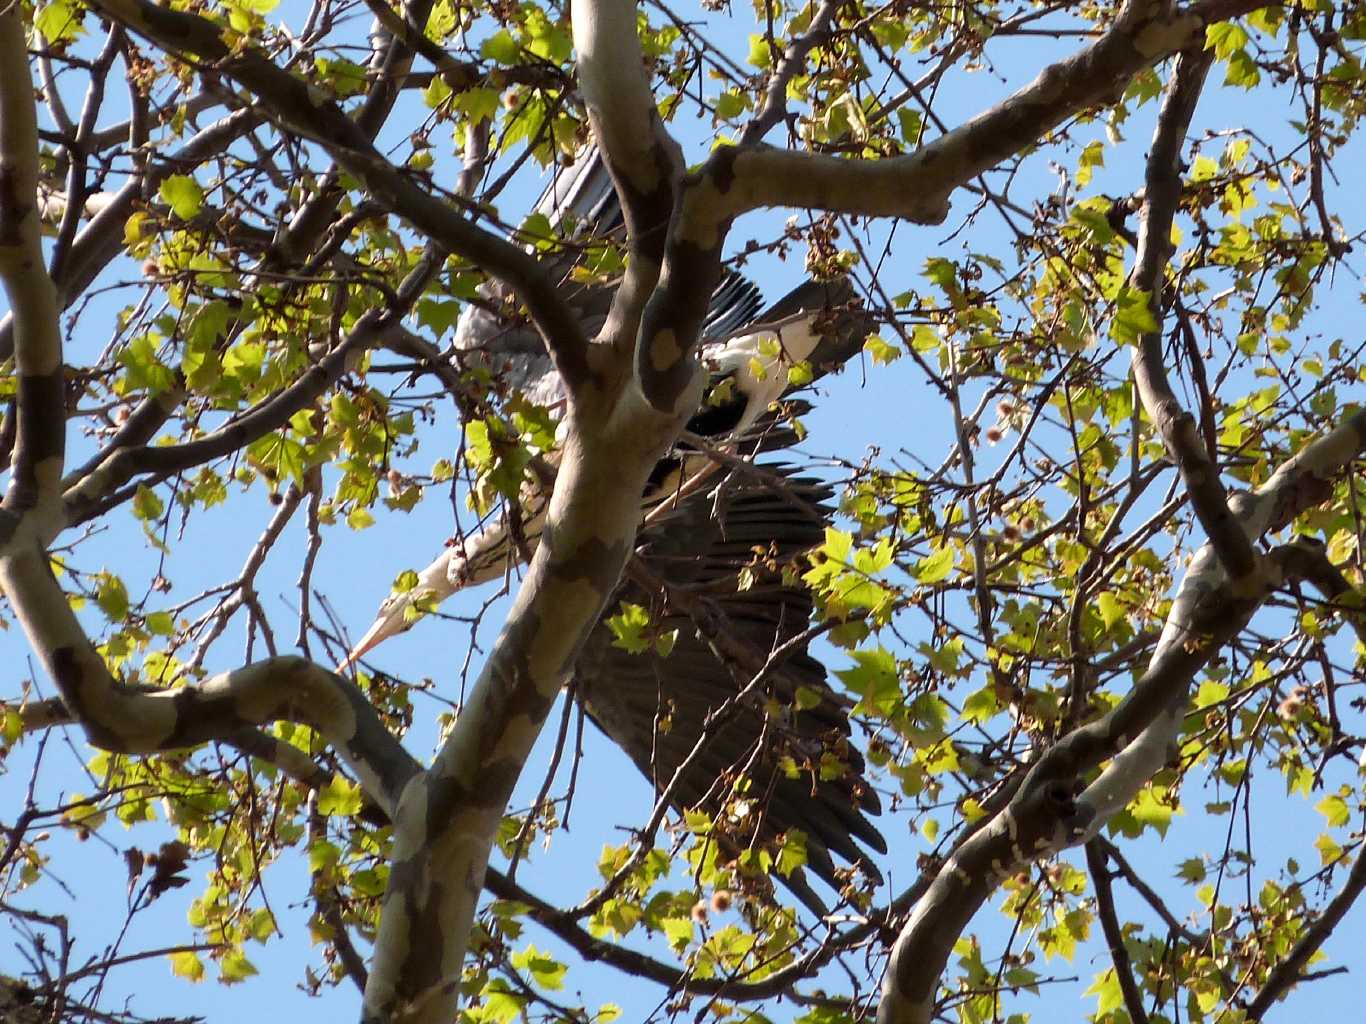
(781, 759)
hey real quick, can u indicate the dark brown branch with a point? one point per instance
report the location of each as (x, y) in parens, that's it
(1290, 970)
(1114, 934)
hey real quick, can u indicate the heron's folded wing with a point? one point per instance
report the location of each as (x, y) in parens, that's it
(776, 761)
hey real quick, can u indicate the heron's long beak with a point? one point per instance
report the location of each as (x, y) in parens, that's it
(393, 618)
(389, 623)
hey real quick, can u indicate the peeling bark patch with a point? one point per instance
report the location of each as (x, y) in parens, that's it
(9, 523)
(679, 307)
(721, 167)
(368, 736)
(444, 796)
(42, 432)
(596, 561)
(664, 350)
(496, 782)
(199, 718)
(1164, 36)
(646, 214)
(422, 968)
(65, 666)
(516, 694)
(42, 413)
(12, 209)
(66, 673)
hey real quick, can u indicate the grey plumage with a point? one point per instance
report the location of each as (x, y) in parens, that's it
(580, 202)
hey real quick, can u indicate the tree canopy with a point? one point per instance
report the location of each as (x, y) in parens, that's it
(1094, 580)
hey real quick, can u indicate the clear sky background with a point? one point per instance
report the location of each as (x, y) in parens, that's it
(888, 408)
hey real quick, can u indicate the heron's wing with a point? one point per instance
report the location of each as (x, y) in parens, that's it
(838, 317)
(581, 205)
(779, 760)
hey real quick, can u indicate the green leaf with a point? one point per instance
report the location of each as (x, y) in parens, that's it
(187, 965)
(629, 628)
(792, 854)
(438, 317)
(1151, 811)
(1225, 38)
(339, 797)
(323, 855)
(347, 78)
(1334, 810)
(883, 352)
(1106, 989)
(678, 930)
(1111, 611)
(760, 53)
(981, 705)
(664, 643)
(11, 725)
(548, 39)
(935, 567)
(261, 924)
(1133, 316)
(160, 623)
(1092, 156)
(909, 124)
(544, 969)
(147, 506)
(112, 597)
(875, 679)
(235, 967)
(731, 103)
(145, 369)
(498, 1004)
(501, 48)
(183, 195)
(60, 22)
(697, 822)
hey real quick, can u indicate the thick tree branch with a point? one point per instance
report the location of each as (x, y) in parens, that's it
(1046, 815)
(917, 187)
(1161, 196)
(644, 161)
(129, 720)
(102, 238)
(447, 818)
(115, 717)
(773, 107)
(617, 89)
(41, 413)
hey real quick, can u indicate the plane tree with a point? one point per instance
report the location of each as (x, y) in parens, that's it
(1118, 598)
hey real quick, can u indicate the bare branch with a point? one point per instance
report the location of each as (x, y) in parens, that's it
(292, 105)
(1289, 971)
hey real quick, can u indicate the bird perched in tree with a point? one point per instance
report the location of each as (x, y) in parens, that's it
(774, 760)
